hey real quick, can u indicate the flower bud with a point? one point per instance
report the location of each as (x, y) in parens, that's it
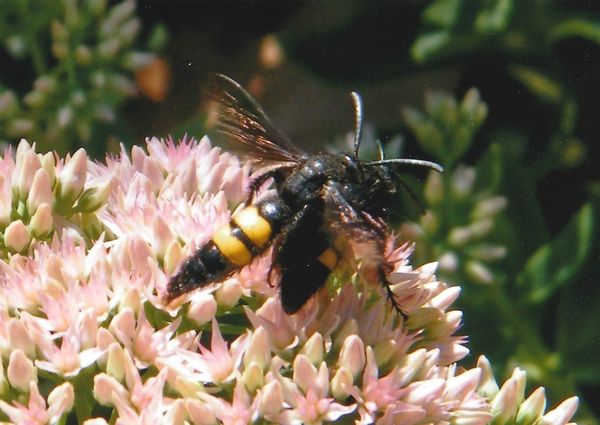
(434, 189)
(229, 293)
(95, 421)
(422, 317)
(92, 226)
(489, 207)
(258, 350)
(341, 382)
(83, 55)
(385, 351)
(72, 178)
(18, 337)
(411, 364)
(42, 223)
(173, 256)
(314, 349)
(504, 405)
(19, 127)
(20, 370)
(200, 413)
(49, 164)
(561, 414)
(106, 387)
(271, 400)
(532, 408)
(479, 273)
(5, 209)
(462, 181)
(65, 116)
(488, 252)
(305, 374)
(95, 197)
(41, 191)
(488, 387)
(203, 308)
(352, 355)
(163, 236)
(129, 30)
(253, 377)
(26, 165)
(115, 365)
(8, 104)
(17, 236)
(61, 398)
(481, 228)
(187, 386)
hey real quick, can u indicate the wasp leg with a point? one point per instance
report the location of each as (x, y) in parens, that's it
(384, 268)
(390, 294)
(257, 182)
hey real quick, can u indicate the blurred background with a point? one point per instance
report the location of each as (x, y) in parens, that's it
(505, 94)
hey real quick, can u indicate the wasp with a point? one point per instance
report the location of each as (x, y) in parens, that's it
(319, 200)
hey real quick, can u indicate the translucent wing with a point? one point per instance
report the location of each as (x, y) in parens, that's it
(238, 118)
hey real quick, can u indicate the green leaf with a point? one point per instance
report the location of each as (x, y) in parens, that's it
(494, 19)
(442, 13)
(537, 83)
(427, 46)
(578, 312)
(556, 263)
(577, 27)
(577, 335)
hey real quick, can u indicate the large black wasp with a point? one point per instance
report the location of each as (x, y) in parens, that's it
(321, 201)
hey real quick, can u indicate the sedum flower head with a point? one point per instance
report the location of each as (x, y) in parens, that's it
(81, 315)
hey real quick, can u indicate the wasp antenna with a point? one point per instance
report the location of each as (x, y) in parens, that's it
(358, 118)
(380, 149)
(417, 162)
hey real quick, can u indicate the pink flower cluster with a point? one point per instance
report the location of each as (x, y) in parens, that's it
(82, 323)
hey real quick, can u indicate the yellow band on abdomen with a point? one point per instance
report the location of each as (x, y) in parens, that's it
(231, 247)
(253, 225)
(329, 258)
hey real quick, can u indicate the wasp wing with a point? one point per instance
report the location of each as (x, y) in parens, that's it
(296, 255)
(236, 117)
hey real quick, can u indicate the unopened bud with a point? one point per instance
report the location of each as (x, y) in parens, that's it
(258, 350)
(20, 371)
(41, 191)
(314, 349)
(200, 413)
(93, 198)
(352, 355)
(340, 384)
(72, 178)
(271, 401)
(532, 408)
(561, 414)
(253, 377)
(61, 398)
(229, 293)
(17, 236)
(42, 223)
(203, 308)
(26, 165)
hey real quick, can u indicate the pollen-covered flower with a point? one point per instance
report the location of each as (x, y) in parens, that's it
(82, 313)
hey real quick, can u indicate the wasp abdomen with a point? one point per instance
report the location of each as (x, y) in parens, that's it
(232, 246)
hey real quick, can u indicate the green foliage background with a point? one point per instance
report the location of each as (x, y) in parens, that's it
(511, 107)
